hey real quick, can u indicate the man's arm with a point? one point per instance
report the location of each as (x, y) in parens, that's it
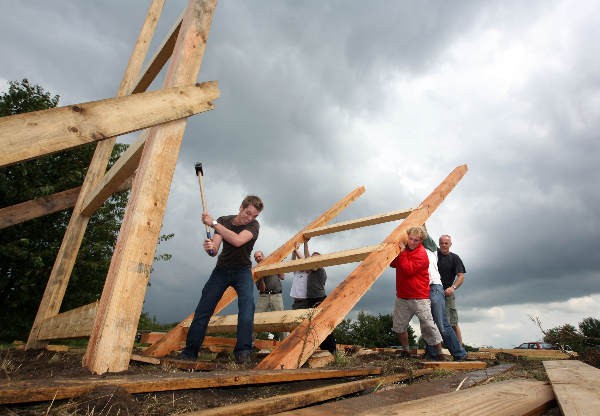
(281, 276)
(460, 278)
(306, 252)
(213, 245)
(235, 239)
(296, 253)
(261, 285)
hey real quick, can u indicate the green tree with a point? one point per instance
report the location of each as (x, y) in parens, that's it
(28, 250)
(565, 334)
(369, 331)
(590, 328)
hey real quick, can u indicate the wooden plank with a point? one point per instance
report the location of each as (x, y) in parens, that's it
(395, 394)
(159, 59)
(575, 385)
(358, 223)
(481, 355)
(320, 359)
(127, 279)
(324, 260)
(18, 213)
(178, 334)
(455, 365)
(144, 359)
(76, 323)
(37, 133)
(45, 205)
(289, 401)
(513, 397)
(296, 348)
(25, 391)
(555, 354)
(275, 321)
(123, 168)
(61, 271)
(57, 348)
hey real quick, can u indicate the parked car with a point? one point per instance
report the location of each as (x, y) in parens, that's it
(535, 345)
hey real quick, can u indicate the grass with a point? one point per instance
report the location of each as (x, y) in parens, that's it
(341, 360)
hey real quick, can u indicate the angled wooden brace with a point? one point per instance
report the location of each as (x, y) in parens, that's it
(306, 338)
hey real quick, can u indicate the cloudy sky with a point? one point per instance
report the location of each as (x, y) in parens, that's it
(320, 97)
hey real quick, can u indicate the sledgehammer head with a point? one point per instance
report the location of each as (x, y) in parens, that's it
(199, 169)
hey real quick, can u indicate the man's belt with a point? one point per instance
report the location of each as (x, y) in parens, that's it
(270, 292)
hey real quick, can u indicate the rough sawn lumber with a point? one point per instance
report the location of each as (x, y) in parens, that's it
(576, 387)
(284, 402)
(27, 391)
(513, 397)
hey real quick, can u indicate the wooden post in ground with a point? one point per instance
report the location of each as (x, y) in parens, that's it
(113, 334)
(172, 340)
(63, 266)
(301, 343)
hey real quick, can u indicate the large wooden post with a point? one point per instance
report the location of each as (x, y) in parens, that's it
(301, 343)
(113, 334)
(63, 266)
(172, 340)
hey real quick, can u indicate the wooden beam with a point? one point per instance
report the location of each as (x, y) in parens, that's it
(293, 351)
(16, 214)
(123, 168)
(513, 397)
(178, 334)
(38, 390)
(575, 385)
(323, 260)
(125, 287)
(159, 59)
(45, 205)
(358, 223)
(283, 402)
(76, 323)
(37, 133)
(276, 321)
(555, 354)
(455, 365)
(61, 271)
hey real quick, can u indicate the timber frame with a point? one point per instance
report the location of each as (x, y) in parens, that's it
(147, 168)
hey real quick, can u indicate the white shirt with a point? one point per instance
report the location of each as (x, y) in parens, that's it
(299, 285)
(434, 274)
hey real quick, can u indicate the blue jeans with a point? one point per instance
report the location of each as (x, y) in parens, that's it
(220, 279)
(438, 310)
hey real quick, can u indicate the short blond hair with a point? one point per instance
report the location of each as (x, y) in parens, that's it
(418, 231)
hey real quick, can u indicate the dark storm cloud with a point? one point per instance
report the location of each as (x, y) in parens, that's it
(299, 80)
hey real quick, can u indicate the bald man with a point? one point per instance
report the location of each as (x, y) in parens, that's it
(452, 270)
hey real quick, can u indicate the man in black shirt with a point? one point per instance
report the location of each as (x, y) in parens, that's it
(452, 271)
(238, 233)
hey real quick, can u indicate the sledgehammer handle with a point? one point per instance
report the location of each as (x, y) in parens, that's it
(199, 173)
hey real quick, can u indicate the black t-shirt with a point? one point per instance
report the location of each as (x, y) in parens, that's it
(237, 257)
(315, 283)
(449, 266)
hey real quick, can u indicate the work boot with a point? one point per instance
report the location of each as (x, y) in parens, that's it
(243, 357)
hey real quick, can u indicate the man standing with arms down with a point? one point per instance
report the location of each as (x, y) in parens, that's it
(269, 288)
(452, 270)
(238, 233)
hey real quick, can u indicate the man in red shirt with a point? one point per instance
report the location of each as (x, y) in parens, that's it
(412, 291)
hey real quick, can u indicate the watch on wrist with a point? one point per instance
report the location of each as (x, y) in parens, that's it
(453, 287)
(214, 222)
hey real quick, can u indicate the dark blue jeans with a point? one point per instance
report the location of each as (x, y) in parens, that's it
(220, 279)
(438, 310)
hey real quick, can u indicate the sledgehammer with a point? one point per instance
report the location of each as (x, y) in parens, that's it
(200, 173)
